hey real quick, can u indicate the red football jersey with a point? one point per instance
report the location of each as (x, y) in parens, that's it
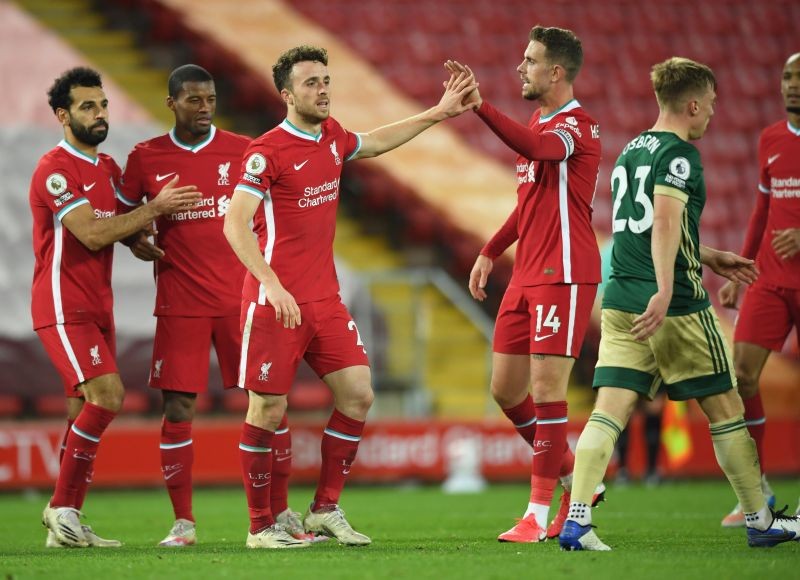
(297, 175)
(70, 282)
(199, 274)
(779, 162)
(557, 169)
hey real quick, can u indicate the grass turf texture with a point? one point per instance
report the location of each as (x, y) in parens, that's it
(671, 531)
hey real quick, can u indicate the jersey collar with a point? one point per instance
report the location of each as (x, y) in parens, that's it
(193, 148)
(569, 106)
(74, 152)
(292, 130)
(792, 129)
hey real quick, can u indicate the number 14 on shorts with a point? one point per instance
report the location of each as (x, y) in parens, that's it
(547, 322)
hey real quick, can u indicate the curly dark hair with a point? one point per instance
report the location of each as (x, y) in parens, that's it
(562, 47)
(188, 73)
(59, 94)
(282, 70)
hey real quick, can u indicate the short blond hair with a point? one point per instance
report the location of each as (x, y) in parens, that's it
(678, 79)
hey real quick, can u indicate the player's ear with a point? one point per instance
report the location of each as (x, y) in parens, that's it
(170, 103)
(63, 116)
(287, 96)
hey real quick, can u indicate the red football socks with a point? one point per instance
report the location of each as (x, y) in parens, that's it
(548, 450)
(177, 457)
(339, 446)
(523, 416)
(281, 467)
(256, 456)
(77, 464)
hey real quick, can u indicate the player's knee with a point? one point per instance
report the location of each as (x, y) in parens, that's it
(179, 407)
(506, 396)
(747, 382)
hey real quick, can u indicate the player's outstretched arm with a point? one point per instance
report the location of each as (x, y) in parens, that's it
(96, 233)
(729, 265)
(665, 239)
(239, 235)
(388, 137)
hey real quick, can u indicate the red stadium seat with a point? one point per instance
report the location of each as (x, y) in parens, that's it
(10, 406)
(50, 406)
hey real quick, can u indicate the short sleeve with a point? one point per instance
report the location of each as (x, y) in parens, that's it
(678, 173)
(130, 188)
(56, 187)
(257, 171)
(353, 145)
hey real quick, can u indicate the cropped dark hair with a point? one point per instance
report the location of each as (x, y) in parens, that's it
(188, 73)
(282, 70)
(59, 94)
(562, 47)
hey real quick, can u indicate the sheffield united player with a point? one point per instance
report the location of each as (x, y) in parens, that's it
(291, 307)
(658, 326)
(198, 286)
(546, 309)
(73, 198)
(771, 306)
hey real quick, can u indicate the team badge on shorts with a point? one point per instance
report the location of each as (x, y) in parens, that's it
(256, 164)
(56, 184)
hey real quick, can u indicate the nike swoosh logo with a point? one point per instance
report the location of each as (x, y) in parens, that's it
(537, 338)
(535, 453)
(260, 484)
(160, 177)
(299, 166)
(171, 475)
(283, 458)
(345, 471)
(88, 187)
(772, 158)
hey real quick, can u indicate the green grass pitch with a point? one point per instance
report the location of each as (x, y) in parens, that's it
(671, 531)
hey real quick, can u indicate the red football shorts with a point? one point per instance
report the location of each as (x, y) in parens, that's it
(767, 314)
(181, 352)
(80, 351)
(546, 319)
(327, 339)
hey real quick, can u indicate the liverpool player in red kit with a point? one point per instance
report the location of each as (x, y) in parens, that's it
(771, 306)
(291, 307)
(546, 309)
(73, 198)
(199, 282)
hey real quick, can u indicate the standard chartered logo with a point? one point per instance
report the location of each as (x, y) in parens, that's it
(208, 207)
(314, 196)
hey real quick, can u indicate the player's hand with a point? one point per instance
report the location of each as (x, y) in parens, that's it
(143, 248)
(786, 243)
(733, 267)
(461, 86)
(650, 321)
(172, 198)
(479, 276)
(729, 294)
(286, 309)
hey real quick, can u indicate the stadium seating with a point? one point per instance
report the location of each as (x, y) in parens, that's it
(408, 42)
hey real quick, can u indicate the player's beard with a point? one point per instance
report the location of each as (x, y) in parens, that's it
(89, 135)
(793, 110)
(531, 93)
(311, 115)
